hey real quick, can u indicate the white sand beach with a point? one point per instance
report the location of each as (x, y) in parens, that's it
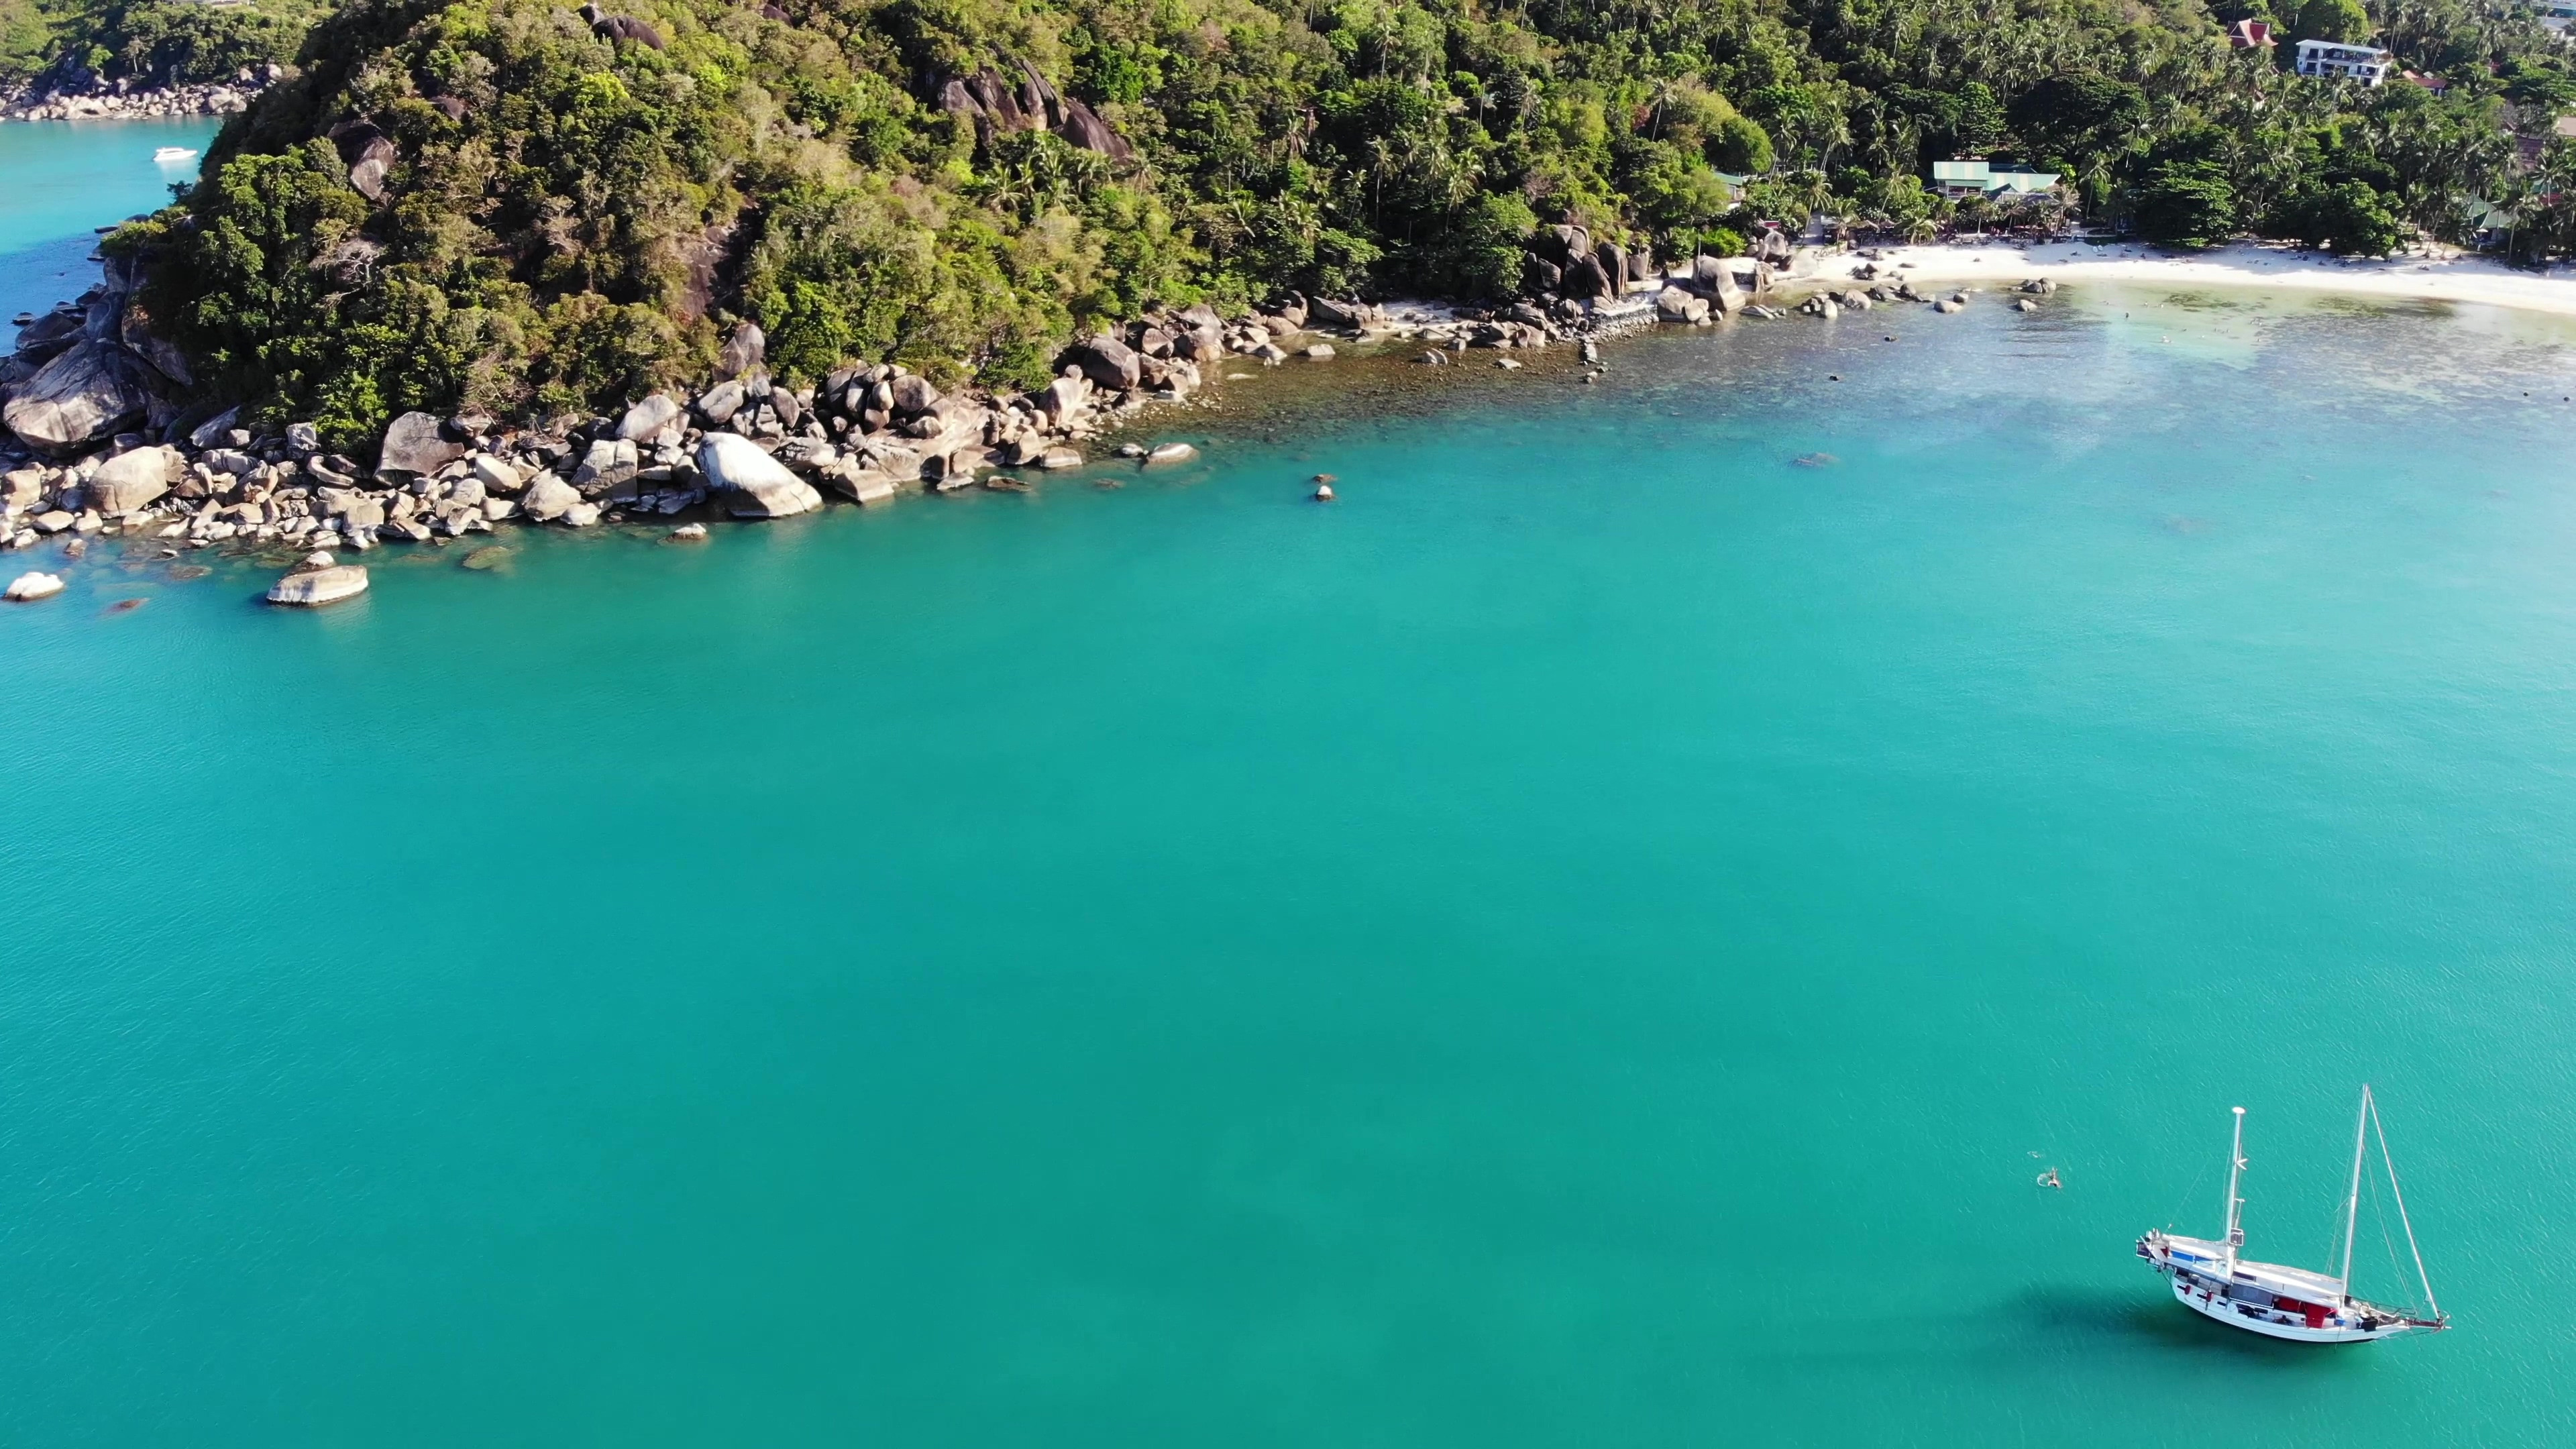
(2447, 278)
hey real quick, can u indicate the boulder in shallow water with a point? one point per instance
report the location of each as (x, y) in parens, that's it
(1171, 453)
(773, 500)
(864, 485)
(312, 588)
(731, 461)
(26, 588)
(548, 497)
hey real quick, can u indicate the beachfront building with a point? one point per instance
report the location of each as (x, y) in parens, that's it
(2556, 14)
(2335, 61)
(1959, 180)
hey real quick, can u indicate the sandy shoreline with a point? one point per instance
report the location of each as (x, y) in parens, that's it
(2449, 279)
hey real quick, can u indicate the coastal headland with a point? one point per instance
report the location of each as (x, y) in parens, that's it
(104, 441)
(107, 437)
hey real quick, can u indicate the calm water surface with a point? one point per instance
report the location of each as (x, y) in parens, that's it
(60, 179)
(1587, 940)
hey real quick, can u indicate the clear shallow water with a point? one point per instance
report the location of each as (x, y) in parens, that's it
(60, 179)
(1579, 941)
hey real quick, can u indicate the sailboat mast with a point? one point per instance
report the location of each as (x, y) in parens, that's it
(2235, 1204)
(2352, 1200)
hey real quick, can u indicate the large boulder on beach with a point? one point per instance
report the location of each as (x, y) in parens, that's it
(548, 498)
(310, 588)
(912, 393)
(755, 484)
(1108, 362)
(130, 480)
(1715, 279)
(1063, 400)
(648, 417)
(773, 500)
(1564, 245)
(731, 461)
(83, 395)
(1354, 315)
(49, 336)
(1616, 267)
(1673, 304)
(745, 348)
(718, 404)
(1586, 279)
(418, 443)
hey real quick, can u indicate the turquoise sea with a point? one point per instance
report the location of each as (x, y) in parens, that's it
(1587, 940)
(61, 179)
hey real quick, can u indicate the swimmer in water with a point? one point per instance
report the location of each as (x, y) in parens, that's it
(2049, 1179)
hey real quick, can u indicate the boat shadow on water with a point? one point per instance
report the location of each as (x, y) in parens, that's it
(2079, 1318)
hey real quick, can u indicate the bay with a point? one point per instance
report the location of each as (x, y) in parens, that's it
(61, 179)
(1590, 937)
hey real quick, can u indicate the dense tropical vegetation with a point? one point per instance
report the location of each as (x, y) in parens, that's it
(553, 211)
(152, 42)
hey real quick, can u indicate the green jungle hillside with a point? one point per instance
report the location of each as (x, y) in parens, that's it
(512, 206)
(150, 42)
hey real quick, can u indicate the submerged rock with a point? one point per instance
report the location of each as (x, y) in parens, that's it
(1171, 453)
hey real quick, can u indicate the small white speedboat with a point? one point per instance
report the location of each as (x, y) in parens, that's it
(2278, 1301)
(168, 154)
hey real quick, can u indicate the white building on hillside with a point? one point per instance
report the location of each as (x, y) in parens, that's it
(2336, 61)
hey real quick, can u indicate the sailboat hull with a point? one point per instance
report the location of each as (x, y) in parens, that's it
(2272, 1299)
(2245, 1316)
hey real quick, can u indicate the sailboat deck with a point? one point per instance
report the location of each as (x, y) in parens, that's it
(2210, 1261)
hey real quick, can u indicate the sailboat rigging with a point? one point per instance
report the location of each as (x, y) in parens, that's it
(2212, 1278)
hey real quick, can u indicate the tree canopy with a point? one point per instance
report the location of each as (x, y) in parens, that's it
(503, 204)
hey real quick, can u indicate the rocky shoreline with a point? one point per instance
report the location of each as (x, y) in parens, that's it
(101, 442)
(66, 92)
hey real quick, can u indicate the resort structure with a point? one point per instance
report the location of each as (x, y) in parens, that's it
(1959, 180)
(2333, 60)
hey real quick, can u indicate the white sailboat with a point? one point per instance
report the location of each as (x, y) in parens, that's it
(2211, 1278)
